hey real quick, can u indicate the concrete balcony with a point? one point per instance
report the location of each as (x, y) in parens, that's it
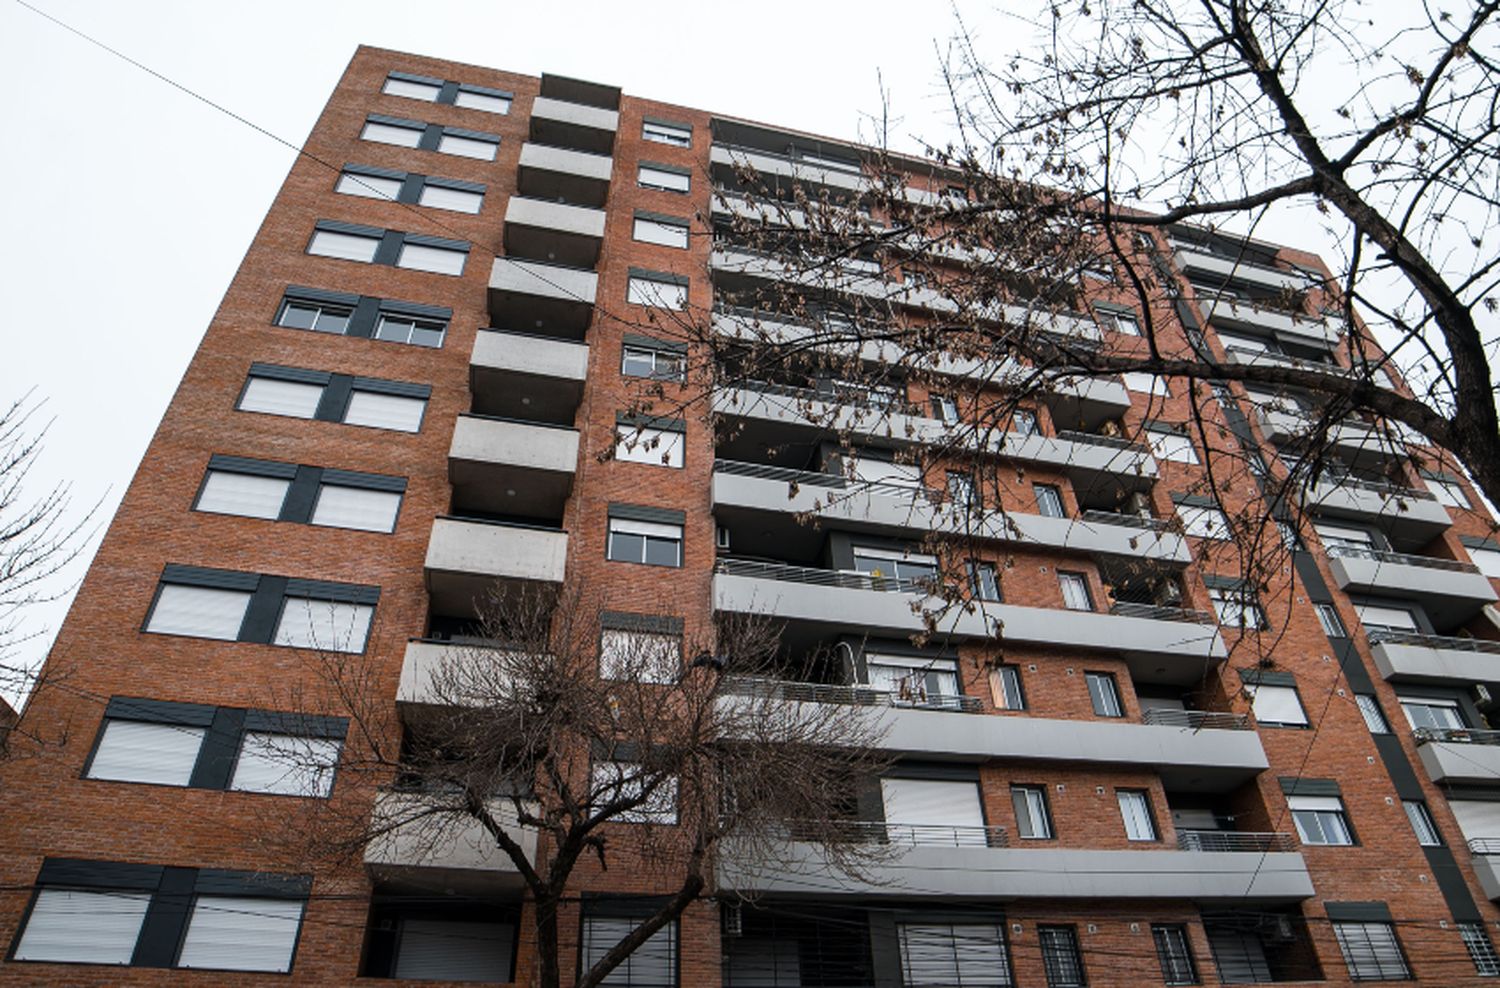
(1224, 311)
(434, 672)
(1486, 861)
(468, 558)
(561, 174)
(573, 126)
(1404, 658)
(1410, 516)
(443, 851)
(547, 299)
(829, 601)
(1202, 262)
(1459, 754)
(553, 232)
(978, 872)
(893, 509)
(1359, 442)
(1450, 592)
(779, 171)
(536, 378)
(1206, 752)
(501, 466)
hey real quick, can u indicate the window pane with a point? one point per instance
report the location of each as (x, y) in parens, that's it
(1488, 561)
(407, 137)
(625, 780)
(1145, 383)
(657, 447)
(285, 764)
(1049, 501)
(1203, 522)
(1005, 685)
(133, 751)
(369, 186)
(458, 200)
(657, 232)
(1393, 618)
(242, 494)
(1369, 708)
(382, 411)
(1175, 955)
(345, 246)
(1421, 823)
(450, 950)
(83, 927)
(439, 260)
(413, 90)
(660, 294)
(324, 624)
(1171, 446)
(640, 656)
(233, 933)
(1060, 956)
(467, 147)
(663, 552)
(356, 507)
(655, 178)
(1104, 693)
(1135, 811)
(1030, 806)
(200, 612)
(481, 101)
(667, 134)
(1075, 591)
(264, 394)
(1277, 705)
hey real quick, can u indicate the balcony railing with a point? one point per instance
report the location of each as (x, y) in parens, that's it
(1205, 720)
(811, 478)
(1399, 558)
(821, 577)
(859, 696)
(1128, 521)
(1456, 735)
(1378, 637)
(1378, 487)
(1484, 845)
(904, 834)
(1094, 439)
(1156, 612)
(853, 395)
(1233, 840)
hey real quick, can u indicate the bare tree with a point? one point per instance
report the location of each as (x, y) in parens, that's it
(652, 754)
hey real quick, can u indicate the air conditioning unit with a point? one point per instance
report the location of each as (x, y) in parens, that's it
(733, 919)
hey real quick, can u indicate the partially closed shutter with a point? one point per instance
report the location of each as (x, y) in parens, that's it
(83, 927)
(380, 411)
(439, 950)
(238, 933)
(243, 494)
(199, 611)
(285, 764)
(911, 805)
(1276, 705)
(1477, 820)
(324, 624)
(131, 751)
(356, 507)
(264, 394)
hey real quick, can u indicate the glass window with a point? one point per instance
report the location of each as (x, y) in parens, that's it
(1371, 951)
(652, 965)
(1320, 820)
(947, 955)
(412, 90)
(1432, 714)
(1338, 535)
(1146, 383)
(438, 260)
(912, 678)
(654, 447)
(656, 293)
(944, 409)
(985, 582)
(488, 102)
(911, 566)
(1369, 709)
(1481, 949)
(665, 181)
(1237, 608)
(1104, 693)
(1278, 705)
(456, 200)
(961, 491)
(639, 656)
(385, 411)
(319, 317)
(1049, 501)
(661, 232)
(1121, 322)
(1005, 687)
(1203, 521)
(1171, 446)
(274, 397)
(369, 186)
(382, 133)
(1421, 823)
(1135, 811)
(651, 543)
(237, 933)
(1075, 591)
(199, 612)
(409, 329)
(1333, 625)
(285, 764)
(356, 507)
(1175, 955)
(1060, 957)
(1376, 618)
(613, 781)
(660, 364)
(1023, 423)
(467, 147)
(243, 494)
(134, 751)
(344, 246)
(1488, 560)
(1033, 822)
(329, 625)
(80, 927)
(663, 133)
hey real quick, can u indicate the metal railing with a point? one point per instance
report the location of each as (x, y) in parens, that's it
(1094, 439)
(859, 398)
(1378, 637)
(1456, 735)
(859, 696)
(1156, 612)
(1399, 558)
(1207, 720)
(1377, 486)
(1233, 840)
(821, 577)
(1484, 845)
(904, 834)
(812, 478)
(1127, 521)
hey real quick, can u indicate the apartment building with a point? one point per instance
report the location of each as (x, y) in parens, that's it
(418, 384)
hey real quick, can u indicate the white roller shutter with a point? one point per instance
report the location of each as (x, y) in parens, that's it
(1276, 705)
(930, 803)
(265, 394)
(457, 200)
(407, 137)
(201, 612)
(1477, 820)
(438, 260)
(285, 764)
(83, 927)
(239, 933)
(467, 147)
(131, 751)
(885, 472)
(369, 186)
(382, 411)
(412, 89)
(438, 950)
(343, 246)
(1397, 618)
(243, 494)
(482, 101)
(356, 507)
(325, 624)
